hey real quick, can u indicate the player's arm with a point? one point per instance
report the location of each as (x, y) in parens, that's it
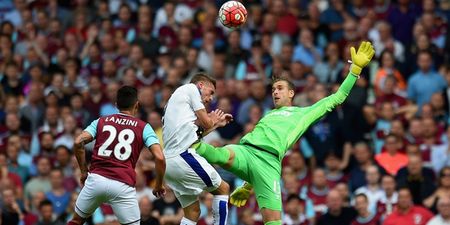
(359, 60)
(206, 120)
(224, 119)
(85, 137)
(152, 143)
(160, 168)
(78, 148)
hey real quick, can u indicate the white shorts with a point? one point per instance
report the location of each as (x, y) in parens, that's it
(122, 198)
(188, 174)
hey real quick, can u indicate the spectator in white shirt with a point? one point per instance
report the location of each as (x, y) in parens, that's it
(443, 218)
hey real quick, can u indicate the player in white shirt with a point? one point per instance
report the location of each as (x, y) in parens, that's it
(188, 174)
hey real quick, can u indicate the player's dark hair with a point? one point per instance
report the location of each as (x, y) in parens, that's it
(291, 85)
(126, 97)
(293, 197)
(203, 77)
(362, 195)
(45, 202)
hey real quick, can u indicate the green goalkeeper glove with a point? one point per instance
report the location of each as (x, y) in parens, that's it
(361, 58)
(240, 196)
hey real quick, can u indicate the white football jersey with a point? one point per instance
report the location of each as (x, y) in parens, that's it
(179, 129)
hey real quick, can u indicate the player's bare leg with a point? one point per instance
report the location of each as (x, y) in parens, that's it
(76, 220)
(191, 214)
(271, 217)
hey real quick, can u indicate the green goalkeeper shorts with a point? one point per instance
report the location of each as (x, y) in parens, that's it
(262, 170)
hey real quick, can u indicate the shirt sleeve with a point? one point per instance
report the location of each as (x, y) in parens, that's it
(92, 128)
(149, 136)
(319, 109)
(194, 98)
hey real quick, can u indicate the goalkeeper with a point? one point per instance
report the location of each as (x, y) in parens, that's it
(257, 157)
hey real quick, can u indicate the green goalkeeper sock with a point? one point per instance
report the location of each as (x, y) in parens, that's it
(275, 222)
(213, 155)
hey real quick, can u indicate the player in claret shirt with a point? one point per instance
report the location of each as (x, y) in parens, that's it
(111, 178)
(257, 158)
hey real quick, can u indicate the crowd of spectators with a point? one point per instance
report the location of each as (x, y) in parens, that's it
(383, 157)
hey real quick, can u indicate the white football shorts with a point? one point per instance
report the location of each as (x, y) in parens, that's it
(122, 198)
(188, 174)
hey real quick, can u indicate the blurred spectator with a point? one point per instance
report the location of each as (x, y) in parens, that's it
(42, 181)
(389, 81)
(328, 71)
(388, 201)
(442, 191)
(317, 192)
(142, 188)
(364, 159)
(58, 196)
(364, 215)
(168, 209)
(295, 211)
(337, 213)
(443, 218)
(407, 212)
(306, 52)
(425, 82)
(146, 207)
(10, 211)
(392, 160)
(419, 179)
(387, 43)
(373, 191)
(46, 214)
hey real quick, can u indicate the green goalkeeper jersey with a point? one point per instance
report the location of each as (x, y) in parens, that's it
(280, 128)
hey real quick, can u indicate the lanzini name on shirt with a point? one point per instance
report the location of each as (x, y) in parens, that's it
(121, 121)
